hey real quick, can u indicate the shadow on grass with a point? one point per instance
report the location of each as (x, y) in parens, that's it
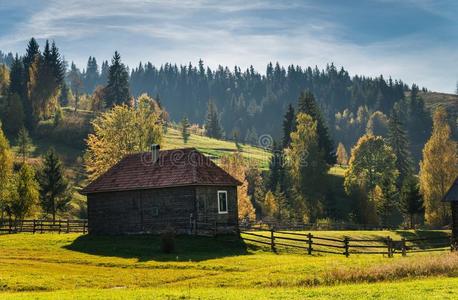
(148, 247)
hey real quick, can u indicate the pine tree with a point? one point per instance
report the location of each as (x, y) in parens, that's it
(25, 195)
(117, 89)
(288, 126)
(31, 53)
(411, 200)
(398, 141)
(438, 169)
(17, 79)
(185, 129)
(55, 192)
(212, 124)
(307, 104)
(24, 143)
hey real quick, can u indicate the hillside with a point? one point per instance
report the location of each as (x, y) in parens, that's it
(434, 99)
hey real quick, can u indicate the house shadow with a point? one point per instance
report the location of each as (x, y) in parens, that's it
(148, 247)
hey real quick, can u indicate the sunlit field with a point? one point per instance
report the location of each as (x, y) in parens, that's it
(64, 266)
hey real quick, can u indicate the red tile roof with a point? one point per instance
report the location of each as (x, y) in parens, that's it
(178, 167)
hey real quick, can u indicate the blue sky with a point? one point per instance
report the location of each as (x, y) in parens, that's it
(416, 41)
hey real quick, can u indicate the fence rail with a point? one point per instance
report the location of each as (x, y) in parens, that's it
(280, 239)
(42, 226)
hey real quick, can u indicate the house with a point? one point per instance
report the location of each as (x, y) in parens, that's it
(452, 197)
(149, 192)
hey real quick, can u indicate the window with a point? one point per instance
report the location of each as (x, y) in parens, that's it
(222, 202)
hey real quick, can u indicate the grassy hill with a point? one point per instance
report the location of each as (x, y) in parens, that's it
(435, 99)
(52, 266)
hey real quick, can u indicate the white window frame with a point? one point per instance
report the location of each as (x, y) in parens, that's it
(219, 208)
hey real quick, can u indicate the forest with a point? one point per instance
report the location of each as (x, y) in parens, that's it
(379, 131)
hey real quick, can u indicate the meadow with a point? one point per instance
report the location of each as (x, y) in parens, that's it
(53, 266)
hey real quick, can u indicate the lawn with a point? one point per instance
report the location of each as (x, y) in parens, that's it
(56, 266)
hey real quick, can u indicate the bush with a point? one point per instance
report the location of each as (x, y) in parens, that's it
(168, 240)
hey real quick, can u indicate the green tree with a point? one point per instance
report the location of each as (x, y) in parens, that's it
(288, 126)
(308, 105)
(14, 115)
(398, 141)
(24, 143)
(411, 200)
(120, 131)
(212, 123)
(25, 195)
(185, 129)
(372, 164)
(307, 165)
(6, 171)
(117, 89)
(55, 191)
(438, 169)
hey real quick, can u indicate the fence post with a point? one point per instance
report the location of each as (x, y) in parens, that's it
(346, 246)
(272, 240)
(403, 244)
(68, 225)
(389, 245)
(309, 250)
(84, 227)
(60, 225)
(34, 228)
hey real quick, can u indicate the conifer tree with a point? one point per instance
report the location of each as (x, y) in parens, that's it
(17, 79)
(288, 126)
(307, 104)
(212, 124)
(438, 169)
(117, 89)
(54, 191)
(185, 129)
(398, 141)
(24, 143)
(411, 200)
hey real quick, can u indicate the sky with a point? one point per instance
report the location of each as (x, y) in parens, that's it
(415, 41)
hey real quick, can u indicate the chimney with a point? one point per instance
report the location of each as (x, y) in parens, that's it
(155, 152)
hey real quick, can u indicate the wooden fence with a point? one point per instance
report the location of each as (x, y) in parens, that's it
(308, 243)
(42, 226)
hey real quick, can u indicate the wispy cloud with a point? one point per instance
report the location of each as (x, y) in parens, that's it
(252, 33)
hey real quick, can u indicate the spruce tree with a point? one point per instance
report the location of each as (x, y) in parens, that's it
(398, 141)
(308, 105)
(31, 52)
(24, 143)
(185, 129)
(288, 126)
(411, 200)
(17, 79)
(212, 124)
(54, 187)
(117, 89)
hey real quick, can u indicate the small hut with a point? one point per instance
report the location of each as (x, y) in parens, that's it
(452, 197)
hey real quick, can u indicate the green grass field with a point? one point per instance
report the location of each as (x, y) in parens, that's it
(69, 266)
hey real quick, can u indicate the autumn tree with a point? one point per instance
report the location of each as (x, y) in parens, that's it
(55, 193)
(307, 165)
(270, 205)
(120, 131)
(377, 124)
(438, 169)
(235, 165)
(342, 156)
(372, 165)
(6, 171)
(25, 194)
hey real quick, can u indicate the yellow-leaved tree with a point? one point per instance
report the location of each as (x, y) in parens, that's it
(120, 131)
(438, 169)
(6, 171)
(236, 166)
